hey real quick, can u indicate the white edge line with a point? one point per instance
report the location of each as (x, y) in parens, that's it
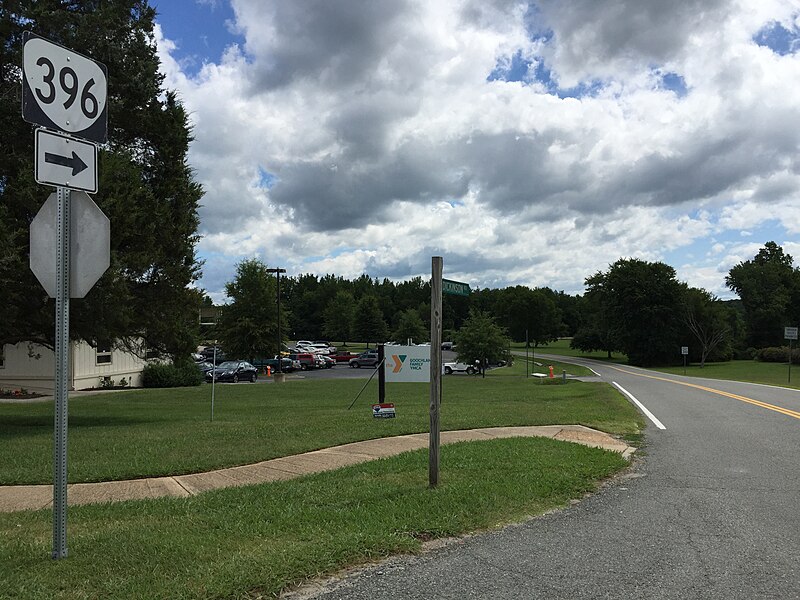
(593, 371)
(641, 406)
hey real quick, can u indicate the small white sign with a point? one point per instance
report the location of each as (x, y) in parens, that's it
(407, 364)
(684, 350)
(89, 241)
(383, 411)
(65, 161)
(790, 333)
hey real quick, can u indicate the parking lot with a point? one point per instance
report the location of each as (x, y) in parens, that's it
(341, 371)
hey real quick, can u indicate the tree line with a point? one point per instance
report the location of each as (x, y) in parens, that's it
(635, 307)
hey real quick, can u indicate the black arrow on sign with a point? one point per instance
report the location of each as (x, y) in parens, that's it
(75, 162)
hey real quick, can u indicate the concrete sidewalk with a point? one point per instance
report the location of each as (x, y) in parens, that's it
(36, 497)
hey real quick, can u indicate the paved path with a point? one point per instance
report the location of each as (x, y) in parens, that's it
(35, 497)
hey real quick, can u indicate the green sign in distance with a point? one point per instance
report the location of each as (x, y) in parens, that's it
(455, 288)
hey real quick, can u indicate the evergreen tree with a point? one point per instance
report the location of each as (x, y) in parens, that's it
(369, 325)
(248, 326)
(339, 316)
(410, 326)
(144, 301)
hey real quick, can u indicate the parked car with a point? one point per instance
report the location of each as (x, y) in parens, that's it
(365, 359)
(458, 367)
(287, 364)
(208, 354)
(331, 349)
(307, 360)
(204, 366)
(329, 361)
(447, 345)
(322, 348)
(234, 371)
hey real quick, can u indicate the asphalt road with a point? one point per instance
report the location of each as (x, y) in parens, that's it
(708, 510)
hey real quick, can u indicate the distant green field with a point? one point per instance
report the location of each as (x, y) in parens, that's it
(742, 370)
(736, 370)
(539, 365)
(562, 348)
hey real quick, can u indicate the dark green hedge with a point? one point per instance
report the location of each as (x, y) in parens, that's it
(184, 374)
(778, 354)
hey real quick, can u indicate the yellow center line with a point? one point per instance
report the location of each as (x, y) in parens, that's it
(784, 411)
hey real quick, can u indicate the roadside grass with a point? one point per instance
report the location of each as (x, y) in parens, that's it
(752, 371)
(539, 365)
(147, 433)
(254, 541)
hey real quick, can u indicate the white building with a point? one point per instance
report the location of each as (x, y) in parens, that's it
(32, 367)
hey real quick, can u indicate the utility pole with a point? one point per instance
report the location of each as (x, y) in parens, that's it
(279, 370)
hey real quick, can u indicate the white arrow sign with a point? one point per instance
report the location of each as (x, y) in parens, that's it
(65, 161)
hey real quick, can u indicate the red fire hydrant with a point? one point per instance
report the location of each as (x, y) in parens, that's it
(551, 372)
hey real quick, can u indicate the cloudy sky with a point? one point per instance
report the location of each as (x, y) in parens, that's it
(527, 143)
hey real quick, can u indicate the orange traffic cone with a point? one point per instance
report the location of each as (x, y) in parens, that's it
(269, 370)
(551, 371)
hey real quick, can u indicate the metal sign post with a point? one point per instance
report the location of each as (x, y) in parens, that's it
(790, 333)
(684, 352)
(62, 366)
(66, 92)
(436, 369)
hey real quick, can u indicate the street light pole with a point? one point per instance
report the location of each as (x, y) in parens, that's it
(278, 272)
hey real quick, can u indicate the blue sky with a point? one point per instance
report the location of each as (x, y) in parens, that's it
(531, 143)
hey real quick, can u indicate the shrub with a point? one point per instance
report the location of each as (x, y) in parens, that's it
(182, 374)
(778, 354)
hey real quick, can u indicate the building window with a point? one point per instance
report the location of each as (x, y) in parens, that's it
(103, 353)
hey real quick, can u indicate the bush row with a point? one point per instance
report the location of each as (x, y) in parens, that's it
(777, 354)
(183, 374)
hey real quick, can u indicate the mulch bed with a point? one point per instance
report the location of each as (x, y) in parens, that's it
(13, 395)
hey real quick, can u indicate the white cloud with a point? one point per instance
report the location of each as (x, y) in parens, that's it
(389, 144)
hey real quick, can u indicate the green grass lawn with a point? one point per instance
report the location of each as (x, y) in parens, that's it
(742, 370)
(735, 370)
(561, 347)
(254, 541)
(538, 364)
(167, 432)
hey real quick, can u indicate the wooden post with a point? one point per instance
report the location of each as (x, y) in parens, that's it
(381, 374)
(436, 369)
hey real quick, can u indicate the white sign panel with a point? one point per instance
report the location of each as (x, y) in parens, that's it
(63, 90)
(790, 333)
(407, 364)
(684, 350)
(65, 161)
(89, 239)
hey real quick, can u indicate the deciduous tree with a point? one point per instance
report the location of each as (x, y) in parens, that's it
(769, 287)
(481, 339)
